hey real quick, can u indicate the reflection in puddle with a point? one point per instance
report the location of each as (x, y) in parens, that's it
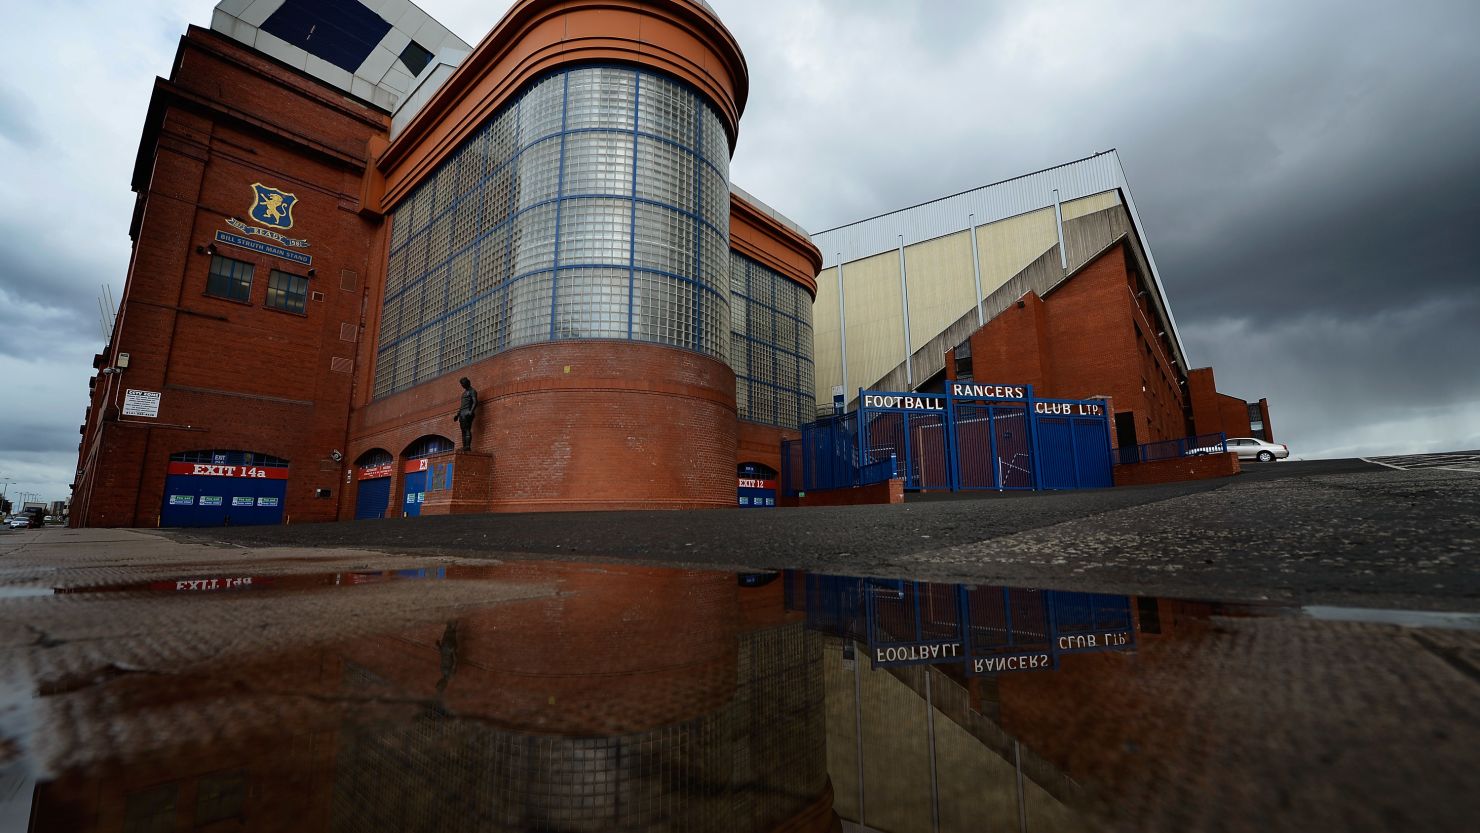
(983, 630)
(209, 584)
(634, 698)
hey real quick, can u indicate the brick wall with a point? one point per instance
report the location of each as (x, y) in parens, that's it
(1214, 412)
(234, 375)
(1177, 470)
(581, 425)
(604, 425)
(762, 444)
(891, 491)
(1090, 336)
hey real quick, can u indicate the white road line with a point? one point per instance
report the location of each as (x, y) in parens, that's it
(1464, 461)
(1380, 463)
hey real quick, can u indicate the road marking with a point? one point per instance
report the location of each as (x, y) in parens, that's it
(1461, 461)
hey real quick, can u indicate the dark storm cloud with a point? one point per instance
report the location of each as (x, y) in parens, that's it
(31, 439)
(1306, 173)
(45, 302)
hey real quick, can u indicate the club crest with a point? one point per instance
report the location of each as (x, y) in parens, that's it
(272, 207)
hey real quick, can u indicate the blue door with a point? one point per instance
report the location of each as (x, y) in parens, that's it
(196, 500)
(757, 486)
(373, 498)
(753, 498)
(1056, 453)
(1092, 445)
(414, 493)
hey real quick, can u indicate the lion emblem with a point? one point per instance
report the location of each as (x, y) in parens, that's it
(272, 207)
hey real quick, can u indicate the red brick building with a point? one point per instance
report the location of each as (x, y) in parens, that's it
(1091, 335)
(1214, 412)
(1095, 334)
(337, 222)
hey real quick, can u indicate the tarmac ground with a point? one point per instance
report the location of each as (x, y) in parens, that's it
(1339, 532)
(132, 658)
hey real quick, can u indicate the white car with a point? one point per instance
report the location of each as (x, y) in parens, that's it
(1248, 448)
(19, 522)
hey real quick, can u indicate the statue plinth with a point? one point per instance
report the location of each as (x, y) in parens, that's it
(471, 483)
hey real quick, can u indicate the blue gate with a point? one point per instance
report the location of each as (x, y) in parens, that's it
(413, 492)
(373, 472)
(993, 431)
(414, 481)
(223, 488)
(373, 498)
(977, 436)
(755, 486)
(913, 428)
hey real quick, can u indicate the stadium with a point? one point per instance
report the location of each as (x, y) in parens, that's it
(343, 209)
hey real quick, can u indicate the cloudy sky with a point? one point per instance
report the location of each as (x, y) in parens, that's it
(1308, 174)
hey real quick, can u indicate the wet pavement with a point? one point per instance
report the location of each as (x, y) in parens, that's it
(154, 684)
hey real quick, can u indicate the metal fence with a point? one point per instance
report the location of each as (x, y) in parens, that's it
(971, 437)
(828, 457)
(1194, 446)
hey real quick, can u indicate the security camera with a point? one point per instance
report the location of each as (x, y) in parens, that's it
(335, 455)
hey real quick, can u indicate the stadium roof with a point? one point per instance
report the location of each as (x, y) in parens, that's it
(381, 51)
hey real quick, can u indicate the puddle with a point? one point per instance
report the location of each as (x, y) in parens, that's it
(639, 698)
(306, 581)
(21, 592)
(1402, 618)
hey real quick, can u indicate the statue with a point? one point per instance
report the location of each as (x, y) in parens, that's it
(466, 411)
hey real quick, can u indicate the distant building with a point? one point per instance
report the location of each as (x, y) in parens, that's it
(1215, 412)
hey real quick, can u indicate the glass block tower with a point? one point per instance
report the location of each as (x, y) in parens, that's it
(559, 232)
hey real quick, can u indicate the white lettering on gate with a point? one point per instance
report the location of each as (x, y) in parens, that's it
(917, 653)
(1067, 409)
(1089, 641)
(213, 470)
(1027, 662)
(906, 403)
(989, 391)
(210, 470)
(213, 583)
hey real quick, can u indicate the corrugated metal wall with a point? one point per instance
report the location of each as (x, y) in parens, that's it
(1016, 226)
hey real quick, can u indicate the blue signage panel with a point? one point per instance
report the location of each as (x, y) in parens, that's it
(265, 248)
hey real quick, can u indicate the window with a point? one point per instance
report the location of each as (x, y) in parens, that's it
(219, 797)
(287, 292)
(230, 279)
(963, 360)
(151, 811)
(415, 57)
